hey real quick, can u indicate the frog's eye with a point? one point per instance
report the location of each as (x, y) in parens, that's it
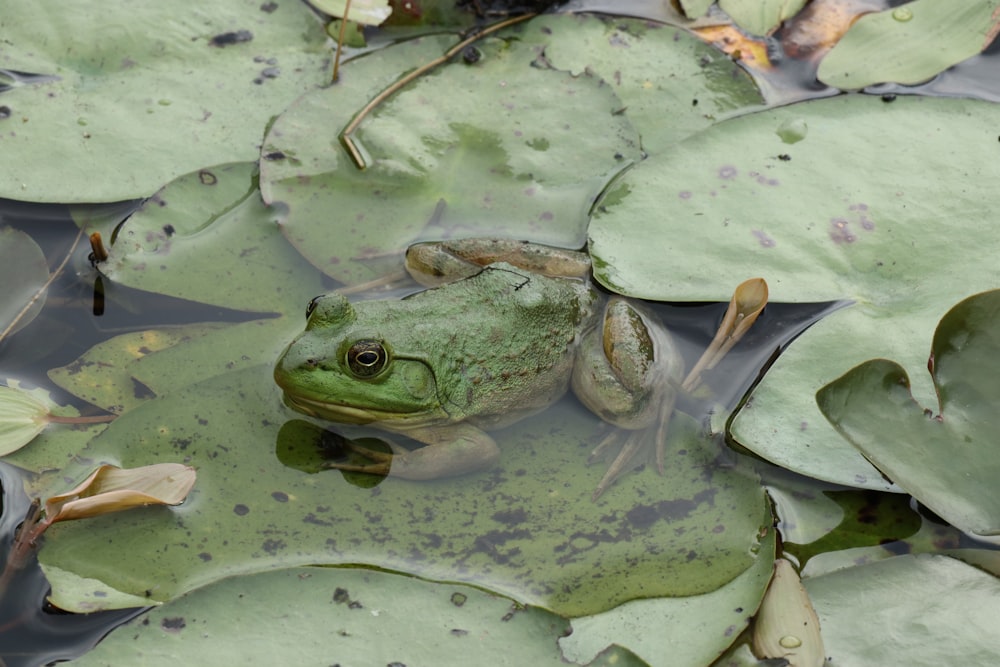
(367, 358)
(312, 306)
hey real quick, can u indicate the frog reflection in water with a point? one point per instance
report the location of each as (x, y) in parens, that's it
(505, 331)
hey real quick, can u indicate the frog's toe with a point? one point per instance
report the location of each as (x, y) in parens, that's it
(622, 462)
(379, 462)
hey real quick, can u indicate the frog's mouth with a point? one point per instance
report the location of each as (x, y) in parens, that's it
(344, 414)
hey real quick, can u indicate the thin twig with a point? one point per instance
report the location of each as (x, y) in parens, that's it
(346, 136)
(38, 294)
(340, 41)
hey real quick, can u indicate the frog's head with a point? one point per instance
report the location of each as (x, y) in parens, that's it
(346, 371)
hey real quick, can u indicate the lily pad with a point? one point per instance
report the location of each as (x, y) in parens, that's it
(23, 273)
(908, 610)
(948, 461)
(671, 84)
(844, 213)
(909, 44)
(207, 237)
(525, 529)
(351, 617)
(761, 17)
(523, 157)
(194, 85)
(700, 628)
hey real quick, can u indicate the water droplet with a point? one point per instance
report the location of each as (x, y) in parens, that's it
(790, 641)
(902, 14)
(792, 130)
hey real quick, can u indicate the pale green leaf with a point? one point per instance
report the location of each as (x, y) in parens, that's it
(761, 17)
(22, 417)
(910, 43)
(366, 12)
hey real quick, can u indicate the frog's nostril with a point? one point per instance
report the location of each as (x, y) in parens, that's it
(312, 362)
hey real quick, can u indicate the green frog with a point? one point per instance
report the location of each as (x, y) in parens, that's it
(505, 330)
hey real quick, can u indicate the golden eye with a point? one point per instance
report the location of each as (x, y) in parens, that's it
(367, 358)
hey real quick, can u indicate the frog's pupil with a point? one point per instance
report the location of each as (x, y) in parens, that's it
(368, 358)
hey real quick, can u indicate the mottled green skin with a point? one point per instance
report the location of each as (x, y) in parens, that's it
(484, 351)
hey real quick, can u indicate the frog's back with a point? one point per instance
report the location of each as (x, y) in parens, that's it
(501, 343)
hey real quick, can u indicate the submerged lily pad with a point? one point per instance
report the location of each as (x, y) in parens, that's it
(858, 209)
(949, 461)
(23, 274)
(193, 85)
(526, 529)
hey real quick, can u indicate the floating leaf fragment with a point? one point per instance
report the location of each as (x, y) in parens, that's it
(113, 489)
(787, 626)
(749, 299)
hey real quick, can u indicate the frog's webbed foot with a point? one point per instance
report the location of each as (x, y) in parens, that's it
(634, 449)
(380, 462)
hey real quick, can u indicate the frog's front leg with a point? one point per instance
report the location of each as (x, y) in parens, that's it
(434, 263)
(627, 372)
(450, 451)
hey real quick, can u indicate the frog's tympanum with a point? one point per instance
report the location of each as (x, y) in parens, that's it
(506, 329)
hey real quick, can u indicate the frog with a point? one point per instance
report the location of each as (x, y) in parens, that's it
(501, 331)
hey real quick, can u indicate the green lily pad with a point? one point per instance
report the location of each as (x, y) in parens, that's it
(671, 84)
(761, 17)
(523, 157)
(947, 461)
(700, 628)
(525, 529)
(343, 616)
(207, 237)
(908, 610)
(857, 209)
(910, 43)
(193, 85)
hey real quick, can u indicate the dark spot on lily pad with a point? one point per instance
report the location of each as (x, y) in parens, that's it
(207, 178)
(273, 546)
(241, 510)
(458, 599)
(230, 38)
(511, 517)
(205, 556)
(280, 496)
(173, 624)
